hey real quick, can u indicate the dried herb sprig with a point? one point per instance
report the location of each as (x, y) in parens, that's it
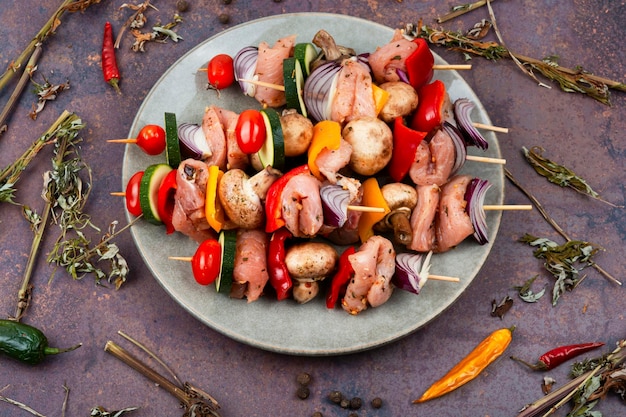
(569, 80)
(526, 293)
(461, 9)
(587, 388)
(564, 261)
(559, 174)
(553, 223)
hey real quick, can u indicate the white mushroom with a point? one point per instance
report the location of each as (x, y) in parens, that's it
(308, 263)
(372, 144)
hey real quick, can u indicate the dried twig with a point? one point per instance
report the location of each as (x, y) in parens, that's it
(461, 10)
(553, 223)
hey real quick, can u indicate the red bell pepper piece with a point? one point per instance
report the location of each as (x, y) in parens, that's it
(405, 143)
(165, 200)
(280, 279)
(419, 65)
(431, 110)
(273, 200)
(341, 278)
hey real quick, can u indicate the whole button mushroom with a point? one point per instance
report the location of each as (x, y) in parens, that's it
(308, 263)
(401, 199)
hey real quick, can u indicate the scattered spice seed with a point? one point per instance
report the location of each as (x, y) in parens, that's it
(182, 5)
(344, 403)
(377, 402)
(356, 403)
(303, 379)
(224, 18)
(227, 1)
(335, 397)
(303, 392)
(317, 414)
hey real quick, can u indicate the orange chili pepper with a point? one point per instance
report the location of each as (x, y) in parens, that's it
(473, 364)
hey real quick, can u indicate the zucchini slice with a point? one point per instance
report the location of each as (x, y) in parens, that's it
(272, 153)
(149, 189)
(172, 148)
(294, 84)
(305, 53)
(224, 281)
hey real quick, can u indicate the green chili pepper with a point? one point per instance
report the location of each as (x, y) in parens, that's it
(26, 343)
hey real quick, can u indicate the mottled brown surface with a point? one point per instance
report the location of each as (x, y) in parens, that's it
(575, 130)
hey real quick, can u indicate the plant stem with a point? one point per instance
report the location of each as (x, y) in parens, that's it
(41, 36)
(30, 68)
(553, 223)
(461, 10)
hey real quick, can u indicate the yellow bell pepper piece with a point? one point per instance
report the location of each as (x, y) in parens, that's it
(326, 135)
(372, 197)
(380, 98)
(212, 207)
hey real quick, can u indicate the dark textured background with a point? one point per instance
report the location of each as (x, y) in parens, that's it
(575, 130)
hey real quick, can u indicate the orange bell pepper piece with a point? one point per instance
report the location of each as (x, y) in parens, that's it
(212, 206)
(326, 135)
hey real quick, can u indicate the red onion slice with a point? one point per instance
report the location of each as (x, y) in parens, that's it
(319, 90)
(459, 146)
(462, 114)
(245, 68)
(475, 198)
(411, 272)
(335, 200)
(192, 141)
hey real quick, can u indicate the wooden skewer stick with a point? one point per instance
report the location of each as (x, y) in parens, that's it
(452, 67)
(367, 209)
(443, 278)
(485, 159)
(492, 128)
(122, 140)
(181, 258)
(118, 194)
(508, 207)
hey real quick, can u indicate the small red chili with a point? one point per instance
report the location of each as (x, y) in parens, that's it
(109, 62)
(405, 143)
(341, 278)
(279, 276)
(553, 358)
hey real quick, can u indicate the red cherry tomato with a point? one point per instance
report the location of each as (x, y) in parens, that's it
(151, 139)
(250, 131)
(221, 71)
(132, 194)
(206, 262)
(165, 200)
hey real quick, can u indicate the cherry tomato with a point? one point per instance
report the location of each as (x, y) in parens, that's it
(132, 194)
(165, 200)
(221, 71)
(151, 139)
(206, 262)
(250, 131)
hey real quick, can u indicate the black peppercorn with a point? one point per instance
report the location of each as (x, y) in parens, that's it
(227, 1)
(303, 392)
(353, 415)
(344, 403)
(182, 5)
(303, 379)
(317, 414)
(377, 402)
(224, 18)
(335, 397)
(355, 403)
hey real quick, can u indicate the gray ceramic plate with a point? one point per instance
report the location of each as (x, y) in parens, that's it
(286, 327)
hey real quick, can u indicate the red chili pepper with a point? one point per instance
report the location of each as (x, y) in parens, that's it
(430, 112)
(109, 62)
(165, 200)
(405, 143)
(419, 65)
(273, 203)
(341, 278)
(280, 279)
(553, 358)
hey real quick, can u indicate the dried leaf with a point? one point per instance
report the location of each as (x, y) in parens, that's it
(558, 174)
(501, 308)
(526, 294)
